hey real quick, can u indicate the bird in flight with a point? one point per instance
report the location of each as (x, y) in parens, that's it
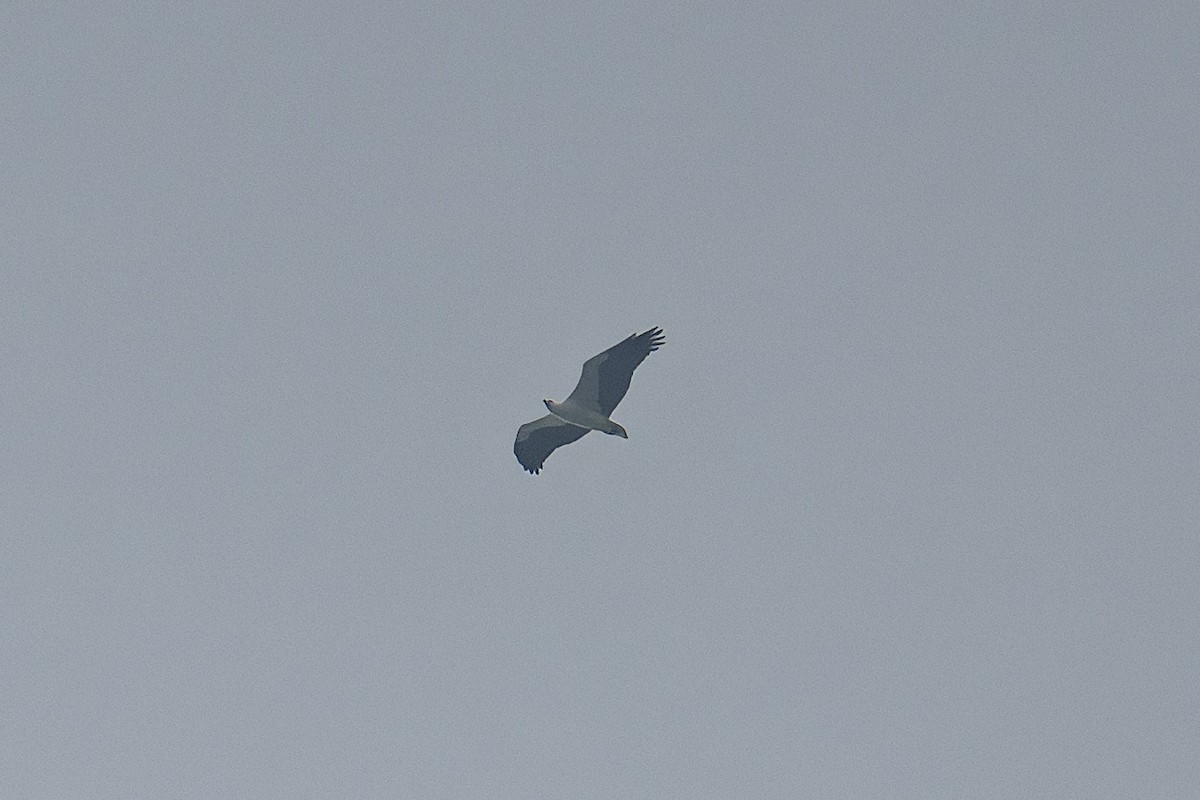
(604, 381)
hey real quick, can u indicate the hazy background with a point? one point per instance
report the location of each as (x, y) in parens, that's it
(910, 505)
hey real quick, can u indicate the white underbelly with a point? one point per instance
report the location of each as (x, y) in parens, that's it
(583, 417)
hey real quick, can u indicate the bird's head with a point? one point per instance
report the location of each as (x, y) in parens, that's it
(550, 404)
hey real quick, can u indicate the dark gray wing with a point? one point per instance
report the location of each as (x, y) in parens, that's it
(538, 439)
(605, 378)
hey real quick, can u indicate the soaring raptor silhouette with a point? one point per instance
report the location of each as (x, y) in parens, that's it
(604, 381)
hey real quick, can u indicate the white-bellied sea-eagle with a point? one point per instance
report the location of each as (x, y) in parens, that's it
(604, 381)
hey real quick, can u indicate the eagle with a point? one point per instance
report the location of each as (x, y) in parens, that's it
(604, 381)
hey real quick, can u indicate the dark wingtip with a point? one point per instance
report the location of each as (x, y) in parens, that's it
(655, 338)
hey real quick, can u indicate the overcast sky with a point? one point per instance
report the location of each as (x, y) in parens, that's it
(909, 506)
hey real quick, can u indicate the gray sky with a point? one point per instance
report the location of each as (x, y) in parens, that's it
(909, 505)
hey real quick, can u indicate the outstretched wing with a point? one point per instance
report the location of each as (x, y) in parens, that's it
(538, 439)
(605, 378)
